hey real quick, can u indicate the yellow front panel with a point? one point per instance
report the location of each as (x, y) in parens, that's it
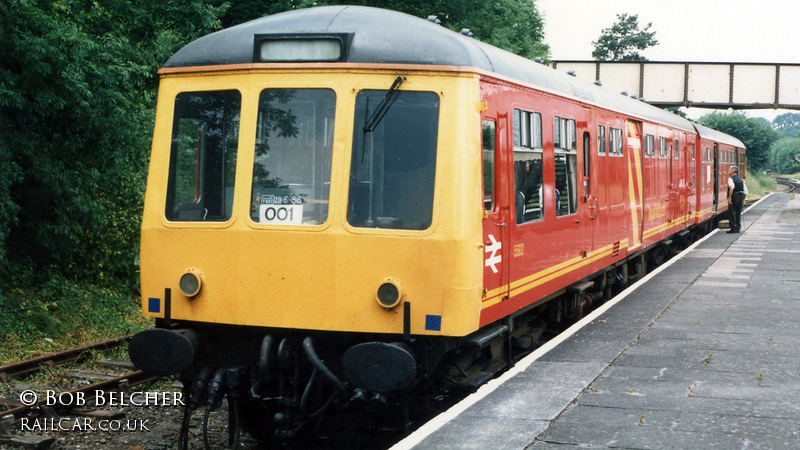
(323, 276)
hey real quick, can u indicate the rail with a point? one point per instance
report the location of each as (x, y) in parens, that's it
(53, 359)
(121, 382)
(790, 182)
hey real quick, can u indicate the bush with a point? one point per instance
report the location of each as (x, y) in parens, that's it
(784, 155)
(759, 184)
(61, 313)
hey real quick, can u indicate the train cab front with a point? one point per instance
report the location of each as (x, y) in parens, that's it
(309, 231)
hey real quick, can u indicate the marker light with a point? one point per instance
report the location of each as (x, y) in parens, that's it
(390, 293)
(190, 283)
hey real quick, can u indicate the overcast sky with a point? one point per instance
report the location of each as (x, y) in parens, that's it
(687, 30)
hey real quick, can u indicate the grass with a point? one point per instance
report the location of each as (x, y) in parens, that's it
(61, 314)
(759, 184)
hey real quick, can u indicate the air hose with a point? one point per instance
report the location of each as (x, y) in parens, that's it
(308, 347)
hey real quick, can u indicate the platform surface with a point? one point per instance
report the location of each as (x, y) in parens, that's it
(703, 354)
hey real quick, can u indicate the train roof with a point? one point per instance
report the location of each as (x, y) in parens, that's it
(388, 37)
(717, 136)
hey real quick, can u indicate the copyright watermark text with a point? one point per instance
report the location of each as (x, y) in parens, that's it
(82, 424)
(55, 398)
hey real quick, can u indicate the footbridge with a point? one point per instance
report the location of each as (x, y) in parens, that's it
(716, 85)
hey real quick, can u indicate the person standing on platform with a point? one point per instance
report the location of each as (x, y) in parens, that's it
(737, 191)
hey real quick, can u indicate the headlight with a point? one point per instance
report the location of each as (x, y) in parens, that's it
(191, 282)
(390, 293)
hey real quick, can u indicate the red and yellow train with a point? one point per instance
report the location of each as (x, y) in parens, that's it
(356, 202)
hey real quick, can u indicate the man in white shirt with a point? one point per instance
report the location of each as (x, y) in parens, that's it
(737, 191)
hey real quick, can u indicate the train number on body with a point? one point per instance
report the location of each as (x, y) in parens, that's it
(281, 209)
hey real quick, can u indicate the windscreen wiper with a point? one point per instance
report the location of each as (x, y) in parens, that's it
(369, 126)
(384, 105)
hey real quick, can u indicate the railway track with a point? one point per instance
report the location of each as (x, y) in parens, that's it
(75, 354)
(791, 183)
(33, 403)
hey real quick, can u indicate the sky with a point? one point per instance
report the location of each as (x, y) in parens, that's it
(687, 30)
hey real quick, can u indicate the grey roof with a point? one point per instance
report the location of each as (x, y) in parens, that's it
(717, 136)
(383, 36)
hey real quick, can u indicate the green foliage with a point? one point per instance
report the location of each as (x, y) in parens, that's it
(788, 123)
(784, 155)
(240, 11)
(621, 40)
(756, 134)
(76, 99)
(62, 313)
(760, 184)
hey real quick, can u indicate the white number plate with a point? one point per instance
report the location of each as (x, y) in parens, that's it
(281, 214)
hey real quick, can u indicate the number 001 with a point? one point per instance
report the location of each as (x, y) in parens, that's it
(281, 214)
(288, 214)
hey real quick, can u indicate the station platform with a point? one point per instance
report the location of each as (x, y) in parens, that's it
(702, 353)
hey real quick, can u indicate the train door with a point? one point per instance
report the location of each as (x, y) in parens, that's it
(496, 241)
(600, 194)
(688, 177)
(634, 156)
(677, 179)
(577, 179)
(589, 180)
(671, 195)
(715, 186)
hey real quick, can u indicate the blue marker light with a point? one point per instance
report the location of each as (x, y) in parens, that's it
(154, 305)
(433, 323)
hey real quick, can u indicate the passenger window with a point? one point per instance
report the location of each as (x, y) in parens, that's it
(564, 135)
(566, 161)
(488, 164)
(615, 142)
(662, 147)
(202, 168)
(601, 140)
(677, 150)
(649, 146)
(528, 166)
(527, 129)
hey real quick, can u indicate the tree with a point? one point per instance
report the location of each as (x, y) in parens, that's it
(76, 101)
(241, 11)
(784, 155)
(620, 42)
(789, 123)
(756, 134)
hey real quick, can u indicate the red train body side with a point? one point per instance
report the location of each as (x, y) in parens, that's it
(637, 182)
